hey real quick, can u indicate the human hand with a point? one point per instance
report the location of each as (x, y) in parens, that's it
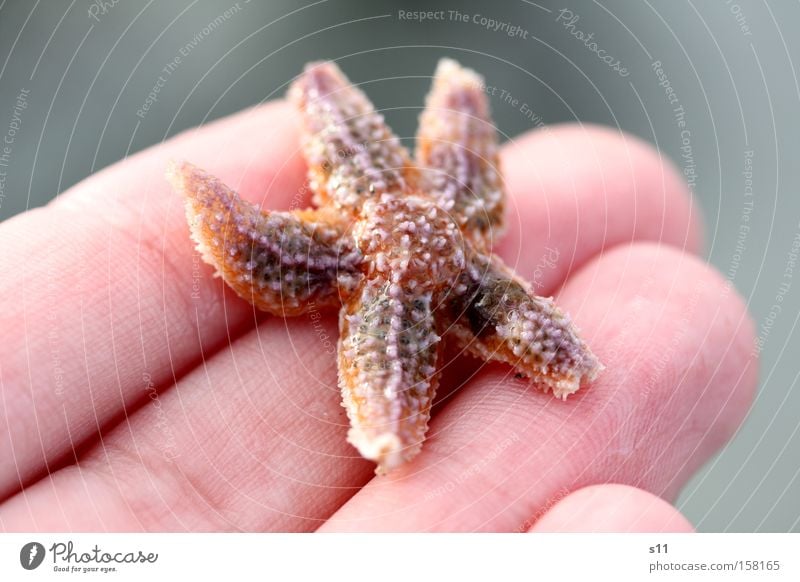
(138, 393)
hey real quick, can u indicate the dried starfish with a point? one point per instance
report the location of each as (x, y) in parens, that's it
(402, 247)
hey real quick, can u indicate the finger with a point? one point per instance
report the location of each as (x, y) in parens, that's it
(579, 189)
(612, 508)
(106, 288)
(254, 440)
(209, 398)
(676, 342)
(457, 144)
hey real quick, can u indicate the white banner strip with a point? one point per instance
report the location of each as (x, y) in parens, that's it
(399, 557)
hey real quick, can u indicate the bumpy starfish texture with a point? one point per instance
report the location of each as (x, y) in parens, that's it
(402, 248)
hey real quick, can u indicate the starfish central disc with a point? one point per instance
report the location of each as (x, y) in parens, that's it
(412, 241)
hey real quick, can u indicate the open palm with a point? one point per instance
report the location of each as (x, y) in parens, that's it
(138, 393)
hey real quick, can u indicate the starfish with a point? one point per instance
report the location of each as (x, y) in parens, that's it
(402, 248)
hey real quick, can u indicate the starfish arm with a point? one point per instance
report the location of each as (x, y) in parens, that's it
(285, 263)
(388, 355)
(352, 154)
(457, 145)
(498, 317)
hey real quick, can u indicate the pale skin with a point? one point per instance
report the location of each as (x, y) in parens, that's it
(138, 393)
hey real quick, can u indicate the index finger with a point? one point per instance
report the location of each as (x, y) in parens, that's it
(107, 299)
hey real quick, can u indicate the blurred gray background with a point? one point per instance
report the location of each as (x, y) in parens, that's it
(82, 70)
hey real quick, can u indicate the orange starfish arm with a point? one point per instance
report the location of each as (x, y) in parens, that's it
(499, 318)
(457, 145)
(388, 356)
(284, 263)
(389, 346)
(352, 154)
